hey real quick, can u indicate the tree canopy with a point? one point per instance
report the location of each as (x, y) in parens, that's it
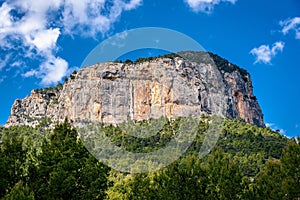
(247, 163)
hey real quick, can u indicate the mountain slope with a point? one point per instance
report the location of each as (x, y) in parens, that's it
(243, 165)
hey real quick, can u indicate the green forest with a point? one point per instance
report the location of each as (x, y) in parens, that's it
(248, 162)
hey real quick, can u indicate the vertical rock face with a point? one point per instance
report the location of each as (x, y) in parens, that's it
(115, 92)
(32, 109)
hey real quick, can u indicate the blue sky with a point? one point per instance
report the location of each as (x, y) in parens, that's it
(43, 41)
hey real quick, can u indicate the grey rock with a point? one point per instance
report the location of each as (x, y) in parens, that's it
(198, 84)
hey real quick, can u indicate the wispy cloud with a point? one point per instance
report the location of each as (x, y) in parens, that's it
(291, 25)
(4, 61)
(30, 28)
(274, 127)
(2, 79)
(265, 53)
(206, 6)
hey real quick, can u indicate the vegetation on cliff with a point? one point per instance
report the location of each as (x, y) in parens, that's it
(199, 57)
(247, 163)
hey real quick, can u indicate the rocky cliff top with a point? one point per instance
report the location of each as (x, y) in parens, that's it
(183, 84)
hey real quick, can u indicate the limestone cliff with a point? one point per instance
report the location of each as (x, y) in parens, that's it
(194, 83)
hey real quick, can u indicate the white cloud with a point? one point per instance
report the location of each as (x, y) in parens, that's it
(5, 19)
(265, 53)
(132, 4)
(269, 125)
(274, 127)
(54, 70)
(45, 40)
(16, 64)
(120, 39)
(206, 6)
(86, 16)
(31, 28)
(51, 71)
(291, 24)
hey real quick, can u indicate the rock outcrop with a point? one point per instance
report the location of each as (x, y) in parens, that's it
(192, 84)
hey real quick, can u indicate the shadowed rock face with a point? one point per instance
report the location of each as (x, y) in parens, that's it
(115, 92)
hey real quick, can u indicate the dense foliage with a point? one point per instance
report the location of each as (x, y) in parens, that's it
(54, 89)
(247, 163)
(58, 167)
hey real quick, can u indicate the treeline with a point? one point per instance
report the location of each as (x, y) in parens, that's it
(247, 163)
(147, 59)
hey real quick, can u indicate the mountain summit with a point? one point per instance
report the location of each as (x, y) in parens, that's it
(187, 83)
